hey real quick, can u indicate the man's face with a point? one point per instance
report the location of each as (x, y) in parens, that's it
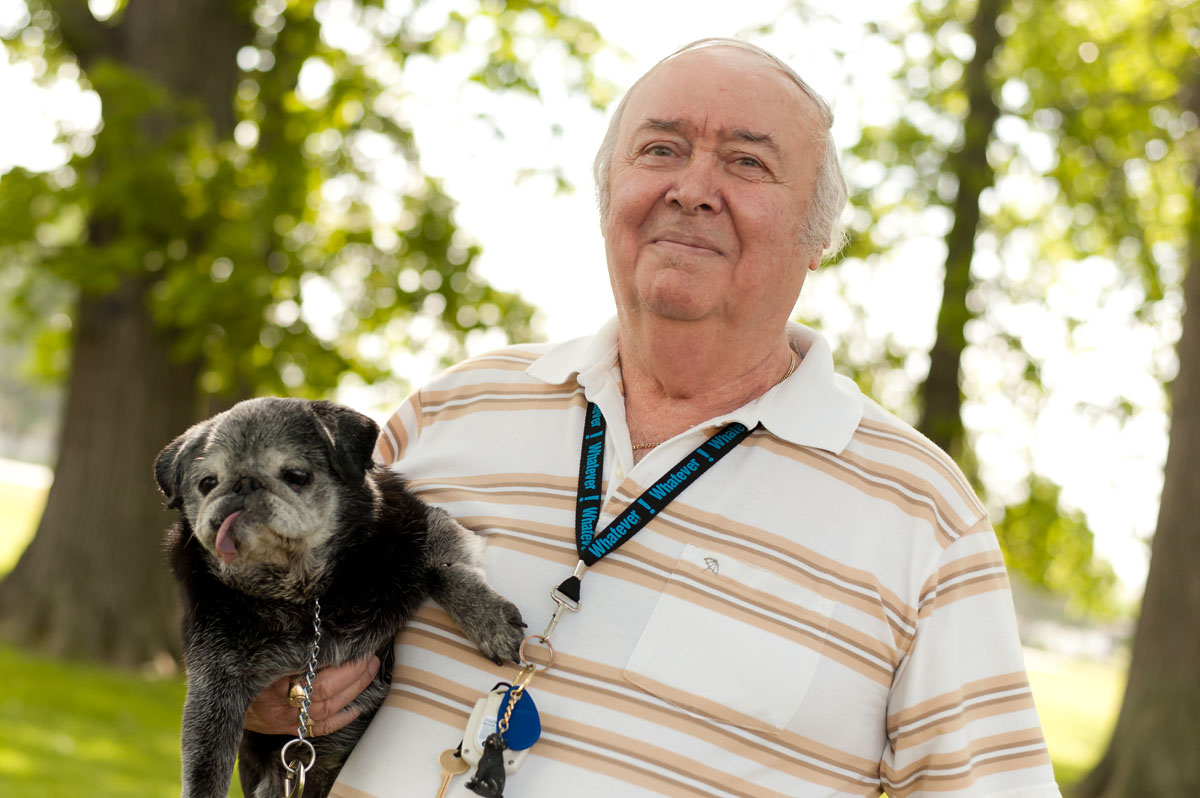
(709, 188)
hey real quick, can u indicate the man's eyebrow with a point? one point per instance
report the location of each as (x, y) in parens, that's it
(751, 137)
(736, 134)
(667, 125)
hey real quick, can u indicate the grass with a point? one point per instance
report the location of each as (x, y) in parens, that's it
(1077, 701)
(69, 729)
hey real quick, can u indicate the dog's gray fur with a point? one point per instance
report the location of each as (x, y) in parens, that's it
(279, 504)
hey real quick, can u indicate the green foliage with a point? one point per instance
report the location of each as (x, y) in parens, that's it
(1052, 547)
(282, 238)
(1111, 97)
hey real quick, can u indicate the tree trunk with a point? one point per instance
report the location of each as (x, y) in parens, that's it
(93, 582)
(941, 393)
(1155, 747)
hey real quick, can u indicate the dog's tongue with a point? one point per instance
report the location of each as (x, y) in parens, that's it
(226, 549)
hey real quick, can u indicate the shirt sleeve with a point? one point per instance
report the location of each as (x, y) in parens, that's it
(399, 432)
(961, 720)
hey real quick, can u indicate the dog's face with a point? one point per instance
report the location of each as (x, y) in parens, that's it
(265, 485)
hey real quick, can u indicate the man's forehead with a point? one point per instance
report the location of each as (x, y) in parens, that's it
(719, 89)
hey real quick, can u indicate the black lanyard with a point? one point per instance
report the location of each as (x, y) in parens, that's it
(593, 545)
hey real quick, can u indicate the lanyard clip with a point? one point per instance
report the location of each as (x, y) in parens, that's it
(566, 596)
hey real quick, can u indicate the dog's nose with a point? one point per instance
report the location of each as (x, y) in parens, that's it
(246, 485)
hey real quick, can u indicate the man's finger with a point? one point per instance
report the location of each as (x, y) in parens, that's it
(343, 686)
(336, 722)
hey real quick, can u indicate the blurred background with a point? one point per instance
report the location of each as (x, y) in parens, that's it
(209, 200)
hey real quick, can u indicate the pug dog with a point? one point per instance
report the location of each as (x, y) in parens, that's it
(281, 507)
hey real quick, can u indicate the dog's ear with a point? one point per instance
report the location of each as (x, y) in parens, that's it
(171, 463)
(350, 437)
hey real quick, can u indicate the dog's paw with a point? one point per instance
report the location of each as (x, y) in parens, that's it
(496, 627)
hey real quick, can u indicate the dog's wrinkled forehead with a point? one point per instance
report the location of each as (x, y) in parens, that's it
(253, 429)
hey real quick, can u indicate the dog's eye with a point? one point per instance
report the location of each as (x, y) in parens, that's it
(296, 477)
(207, 484)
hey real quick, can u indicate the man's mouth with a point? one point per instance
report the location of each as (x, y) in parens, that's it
(689, 243)
(226, 545)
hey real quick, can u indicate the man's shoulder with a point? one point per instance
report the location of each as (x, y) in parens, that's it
(882, 437)
(507, 364)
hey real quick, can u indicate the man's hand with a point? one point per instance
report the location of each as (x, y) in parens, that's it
(336, 686)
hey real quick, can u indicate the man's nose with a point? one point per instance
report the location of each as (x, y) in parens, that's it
(697, 185)
(246, 485)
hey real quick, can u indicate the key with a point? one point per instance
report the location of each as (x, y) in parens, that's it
(452, 765)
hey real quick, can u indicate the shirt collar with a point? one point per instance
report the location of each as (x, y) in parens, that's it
(814, 407)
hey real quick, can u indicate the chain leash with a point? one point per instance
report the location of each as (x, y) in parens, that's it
(296, 769)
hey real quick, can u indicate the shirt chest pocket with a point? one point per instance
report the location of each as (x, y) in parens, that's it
(732, 642)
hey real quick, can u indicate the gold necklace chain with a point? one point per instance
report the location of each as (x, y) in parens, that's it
(637, 447)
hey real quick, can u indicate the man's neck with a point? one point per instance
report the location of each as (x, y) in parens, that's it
(678, 375)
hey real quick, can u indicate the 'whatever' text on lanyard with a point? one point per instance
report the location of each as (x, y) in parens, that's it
(505, 723)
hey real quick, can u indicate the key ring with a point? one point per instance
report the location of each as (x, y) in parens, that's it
(543, 640)
(296, 766)
(312, 755)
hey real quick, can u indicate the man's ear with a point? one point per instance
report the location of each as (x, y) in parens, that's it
(171, 463)
(349, 437)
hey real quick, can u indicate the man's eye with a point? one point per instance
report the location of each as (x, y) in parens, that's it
(746, 160)
(206, 485)
(296, 477)
(659, 150)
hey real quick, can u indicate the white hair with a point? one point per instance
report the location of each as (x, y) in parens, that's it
(823, 227)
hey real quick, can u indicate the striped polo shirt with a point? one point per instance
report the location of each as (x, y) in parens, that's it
(823, 613)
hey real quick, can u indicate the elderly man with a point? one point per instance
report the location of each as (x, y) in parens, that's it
(825, 613)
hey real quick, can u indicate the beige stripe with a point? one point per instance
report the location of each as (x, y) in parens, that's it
(844, 638)
(914, 444)
(513, 478)
(953, 701)
(833, 467)
(722, 536)
(1004, 763)
(980, 708)
(984, 560)
(621, 700)
(476, 390)
(522, 498)
(985, 583)
(501, 359)
(908, 479)
(518, 529)
(396, 427)
(831, 646)
(495, 404)
(935, 581)
(345, 791)
(930, 773)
